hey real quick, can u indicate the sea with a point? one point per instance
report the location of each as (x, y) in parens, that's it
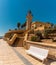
(1, 37)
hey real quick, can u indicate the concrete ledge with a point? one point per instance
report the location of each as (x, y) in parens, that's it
(51, 47)
(41, 43)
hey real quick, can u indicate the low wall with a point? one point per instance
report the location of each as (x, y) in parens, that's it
(18, 42)
(50, 47)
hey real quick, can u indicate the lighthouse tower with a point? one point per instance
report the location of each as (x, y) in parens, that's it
(29, 20)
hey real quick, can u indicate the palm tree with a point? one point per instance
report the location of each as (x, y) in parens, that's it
(9, 29)
(18, 25)
(52, 24)
(15, 28)
(23, 25)
(48, 22)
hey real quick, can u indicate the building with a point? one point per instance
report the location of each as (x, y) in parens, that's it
(36, 25)
(40, 25)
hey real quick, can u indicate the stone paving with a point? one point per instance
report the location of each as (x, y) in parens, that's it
(16, 56)
(31, 59)
(8, 56)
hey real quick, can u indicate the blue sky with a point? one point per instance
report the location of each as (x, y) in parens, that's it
(13, 11)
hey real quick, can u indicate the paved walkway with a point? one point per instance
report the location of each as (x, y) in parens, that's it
(15, 56)
(34, 61)
(8, 56)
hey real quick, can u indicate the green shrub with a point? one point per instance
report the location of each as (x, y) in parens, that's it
(35, 38)
(38, 33)
(45, 34)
